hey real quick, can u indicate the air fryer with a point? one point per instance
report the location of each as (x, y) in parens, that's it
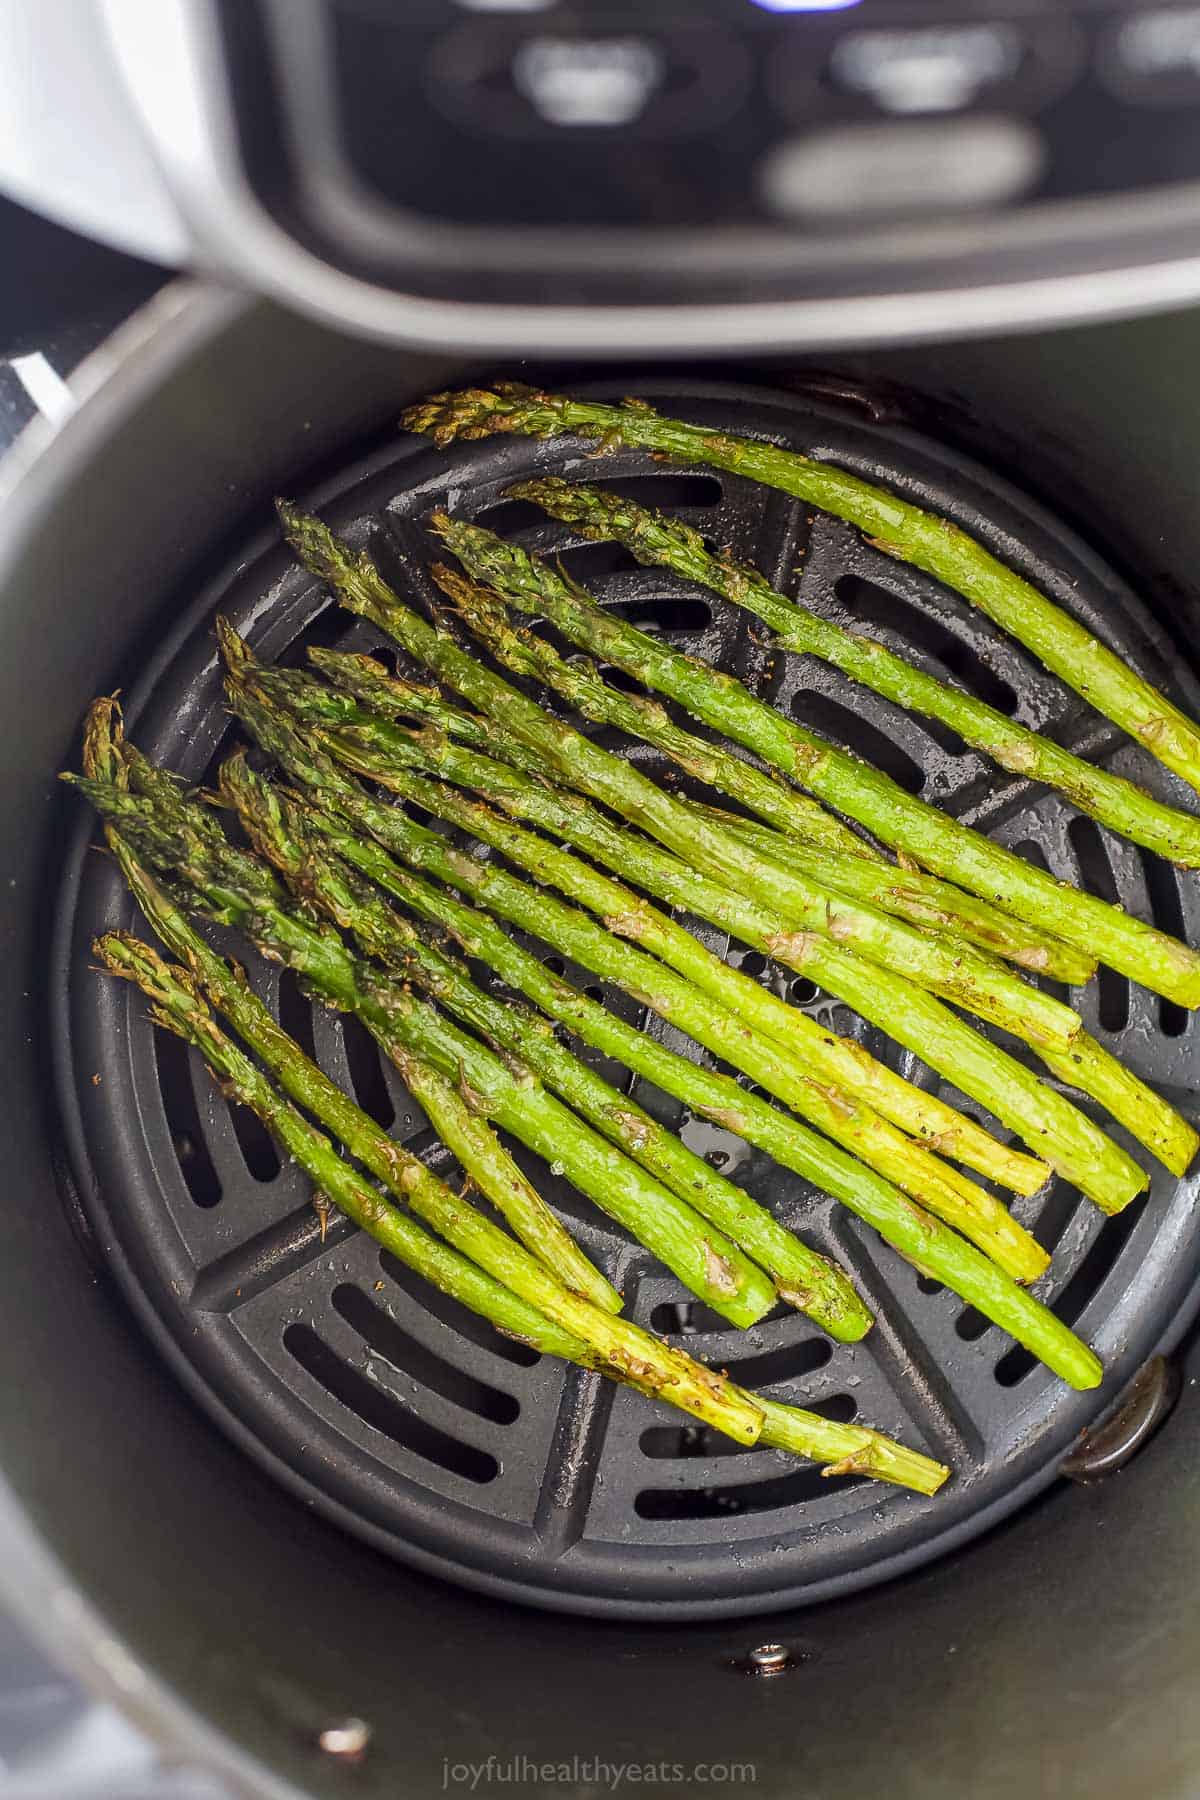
(317, 1531)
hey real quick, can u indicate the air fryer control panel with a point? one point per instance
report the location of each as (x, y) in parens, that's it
(560, 151)
(563, 116)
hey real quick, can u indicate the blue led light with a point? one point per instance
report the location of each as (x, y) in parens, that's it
(799, 6)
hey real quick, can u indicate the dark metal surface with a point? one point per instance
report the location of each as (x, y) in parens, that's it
(1115, 1440)
(410, 1423)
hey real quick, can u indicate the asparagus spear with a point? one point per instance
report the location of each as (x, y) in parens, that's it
(975, 981)
(595, 1339)
(514, 1283)
(929, 1244)
(894, 525)
(367, 680)
(924, 901)
(928, 1180)
(278, 829)
(977, 1214)
(933, 1247)
(178, 1007)
(1150, 1118)
(841, 1062)
(855, 788)
(847, 865)
(668, 543)
(1068, 1140)
(237, 889)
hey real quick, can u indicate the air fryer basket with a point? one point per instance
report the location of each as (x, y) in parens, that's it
(432, 1435)
(1052, 1653)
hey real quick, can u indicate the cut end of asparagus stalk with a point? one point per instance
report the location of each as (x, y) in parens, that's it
(849, 1449)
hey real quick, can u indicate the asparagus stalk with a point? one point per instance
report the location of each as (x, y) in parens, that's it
(177, 1006)
(954, 1198)
(1069, 1140)
(840, 1062)
(976, 1213)
(1066, 1138)
(924, 901)
(237, 890)
(1152, 1120)
(855, 788)
(668, 543)
(367, 680)
(894, 525)
(929, 1244)
(508, 1283)
(595, 1339)
(976, 982)
(804, 1279)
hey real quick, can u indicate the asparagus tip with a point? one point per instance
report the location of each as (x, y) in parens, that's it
(236, 654)
(104, 738)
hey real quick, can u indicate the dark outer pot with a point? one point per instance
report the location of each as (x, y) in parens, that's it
(1057, 1656)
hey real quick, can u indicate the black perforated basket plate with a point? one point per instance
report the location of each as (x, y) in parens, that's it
(414, 1424)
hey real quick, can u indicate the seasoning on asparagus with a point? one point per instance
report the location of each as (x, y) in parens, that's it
(239, 890)
(367, 680)
(933, 1248)
(1048, 1122)
(975, 981)
(922, 1239)
(848, 865)
(1151, 1119)
(278, 828)
(668, 543)
(178, 1007)
(952, 1197)
(508, 1284)
(859, 790)
(615, 1346)
(924, 901)
(842, 1062)
(894, 525)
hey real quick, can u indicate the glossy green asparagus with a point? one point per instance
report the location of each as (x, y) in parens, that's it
(239, 890)
(842, 1062)
(669, 543)
(280, 831)
(1046, 1121)
(595, 1339)
(894, 525)
(855, 788)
